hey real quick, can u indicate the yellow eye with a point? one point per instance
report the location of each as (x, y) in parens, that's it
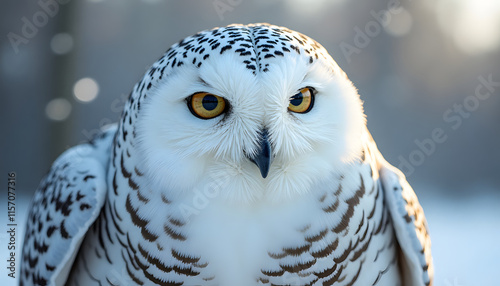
(205, 105)
(303, 101)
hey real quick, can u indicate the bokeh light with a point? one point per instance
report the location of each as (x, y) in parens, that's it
(474, 25)
(86, 89)
(61, 43)
(58, 109)
(400, 24)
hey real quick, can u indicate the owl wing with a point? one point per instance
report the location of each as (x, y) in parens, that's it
(410, 226)
(65, 205)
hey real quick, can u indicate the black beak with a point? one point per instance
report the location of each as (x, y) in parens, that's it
(263, 156)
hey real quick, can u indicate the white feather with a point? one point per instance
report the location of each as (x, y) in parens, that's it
(306, 147)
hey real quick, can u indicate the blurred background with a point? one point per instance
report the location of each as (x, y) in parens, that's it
(428, 72)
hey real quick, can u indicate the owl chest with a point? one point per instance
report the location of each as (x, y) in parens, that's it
(342, 235)
(299, 245)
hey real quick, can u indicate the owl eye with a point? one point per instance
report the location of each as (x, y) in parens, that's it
(302, 101)
(205, 105)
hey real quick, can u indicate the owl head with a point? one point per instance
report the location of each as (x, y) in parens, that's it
(256, 112)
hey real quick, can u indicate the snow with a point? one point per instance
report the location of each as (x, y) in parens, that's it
(465, 235)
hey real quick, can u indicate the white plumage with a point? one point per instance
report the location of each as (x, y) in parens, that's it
(242, 158)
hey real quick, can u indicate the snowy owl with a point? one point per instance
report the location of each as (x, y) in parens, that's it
(242, 157)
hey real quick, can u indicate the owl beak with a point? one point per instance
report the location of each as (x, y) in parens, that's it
(263, 156)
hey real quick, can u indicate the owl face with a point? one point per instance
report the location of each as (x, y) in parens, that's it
(254, 112)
